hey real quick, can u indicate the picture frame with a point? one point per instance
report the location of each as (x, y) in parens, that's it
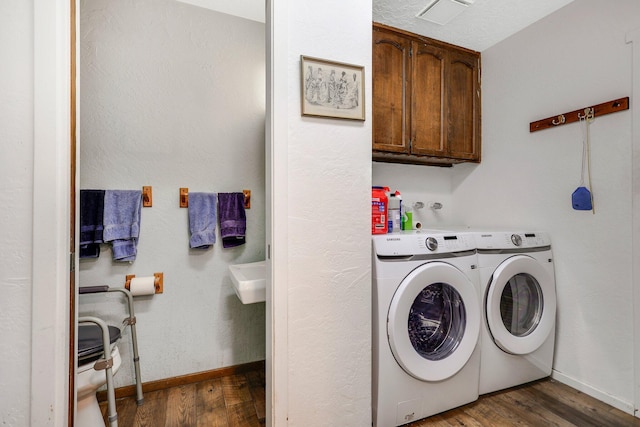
(331, 89)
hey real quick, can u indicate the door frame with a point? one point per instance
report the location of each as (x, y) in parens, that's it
(51, 257)
(633, 37)
(276, 215)
(276, 205)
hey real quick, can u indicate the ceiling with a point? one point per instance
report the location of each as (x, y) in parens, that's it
(480, 26)
(248, 9)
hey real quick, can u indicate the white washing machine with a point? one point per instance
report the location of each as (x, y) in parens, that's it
(426, 325)
(518, 308)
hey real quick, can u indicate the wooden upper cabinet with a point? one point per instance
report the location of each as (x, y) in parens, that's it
(463, 106)
(390, 93)
(426, 100)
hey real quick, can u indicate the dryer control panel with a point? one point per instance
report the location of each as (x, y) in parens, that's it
(511, 240)
(407, 244)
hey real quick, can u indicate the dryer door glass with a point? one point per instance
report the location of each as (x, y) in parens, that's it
(521, 304)
(437, 321)
(433, 322)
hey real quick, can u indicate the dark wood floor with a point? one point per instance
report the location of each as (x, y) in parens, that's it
(232, 401)
(541, 403)
(239, 401)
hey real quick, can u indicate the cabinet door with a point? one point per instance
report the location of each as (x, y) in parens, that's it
(463, 106)
(390, 93)
(428, 91)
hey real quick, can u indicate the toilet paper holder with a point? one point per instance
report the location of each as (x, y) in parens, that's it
(157, 281)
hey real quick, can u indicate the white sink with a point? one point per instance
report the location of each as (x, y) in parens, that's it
(249, 281)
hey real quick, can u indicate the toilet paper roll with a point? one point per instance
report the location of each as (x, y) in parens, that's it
(142, 286)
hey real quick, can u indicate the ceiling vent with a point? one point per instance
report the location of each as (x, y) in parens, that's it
(443, 11)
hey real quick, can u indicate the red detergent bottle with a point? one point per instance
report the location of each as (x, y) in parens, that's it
(379, 210)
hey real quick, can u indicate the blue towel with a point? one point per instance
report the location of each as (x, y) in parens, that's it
(122, 222)
(91, 210)
(202, 220)
(233, 219)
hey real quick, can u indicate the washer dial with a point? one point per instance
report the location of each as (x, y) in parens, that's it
(432, 243)
(516, 239)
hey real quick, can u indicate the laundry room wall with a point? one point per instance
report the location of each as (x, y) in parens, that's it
(328, 263)
(173, 95)
(575, 58)
(417, 183)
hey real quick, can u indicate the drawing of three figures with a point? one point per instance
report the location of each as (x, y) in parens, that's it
(329, 92)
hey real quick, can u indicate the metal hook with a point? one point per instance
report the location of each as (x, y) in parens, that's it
(589, 114)
(561, 120)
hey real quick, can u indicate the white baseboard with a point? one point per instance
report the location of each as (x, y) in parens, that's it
(593, 392)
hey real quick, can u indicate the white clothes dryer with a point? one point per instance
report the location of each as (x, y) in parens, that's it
(518, 308)
(426, 325)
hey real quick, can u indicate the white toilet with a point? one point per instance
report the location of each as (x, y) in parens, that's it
(88, 379)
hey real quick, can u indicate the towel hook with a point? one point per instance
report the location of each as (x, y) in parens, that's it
(589, 114)
(184, 197)
(247, 198)
(561, 120)
(147, 196)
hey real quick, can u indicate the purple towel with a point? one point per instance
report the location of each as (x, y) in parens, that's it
(91, 210)
(202, 220)
(122, 222)
(233, 220)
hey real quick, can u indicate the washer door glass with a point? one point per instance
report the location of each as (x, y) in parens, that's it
(437, 321)
(433, 323)
(521, 304)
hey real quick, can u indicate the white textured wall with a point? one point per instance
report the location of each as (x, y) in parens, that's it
(575, 58)
(418, 183)
(16, 187)
(526, 179)
(173, 96)
(329, 277)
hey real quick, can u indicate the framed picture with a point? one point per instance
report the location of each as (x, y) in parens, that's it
(332, 89)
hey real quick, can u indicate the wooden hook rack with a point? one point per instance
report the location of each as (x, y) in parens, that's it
(247, 199)
(184, 198)
(574, 116)
(147, 196)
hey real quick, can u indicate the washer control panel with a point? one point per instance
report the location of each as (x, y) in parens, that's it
(406, 244)
(511, 240)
